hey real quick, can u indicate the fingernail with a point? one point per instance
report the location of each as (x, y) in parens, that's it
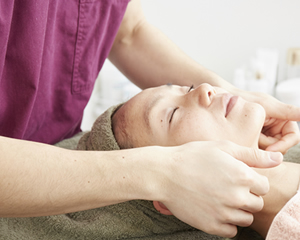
(276, 156)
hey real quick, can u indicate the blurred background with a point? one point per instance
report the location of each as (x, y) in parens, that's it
(254, 44)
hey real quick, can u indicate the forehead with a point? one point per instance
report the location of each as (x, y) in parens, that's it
(136, 113)
(147, 99)
(139, 107)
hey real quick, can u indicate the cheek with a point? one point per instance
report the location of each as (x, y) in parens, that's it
(253, 117)
(193, 128)
(248, 127)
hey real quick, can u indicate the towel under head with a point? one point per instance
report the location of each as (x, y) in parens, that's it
(101, 136)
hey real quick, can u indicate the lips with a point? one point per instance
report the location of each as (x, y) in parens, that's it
(230, 102)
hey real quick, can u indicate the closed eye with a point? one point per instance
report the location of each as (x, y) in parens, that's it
(173, 114)
(191, 88)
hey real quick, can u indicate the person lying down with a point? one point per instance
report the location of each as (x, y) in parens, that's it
(172, 115)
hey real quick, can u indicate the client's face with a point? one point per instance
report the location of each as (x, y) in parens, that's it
(173, 115)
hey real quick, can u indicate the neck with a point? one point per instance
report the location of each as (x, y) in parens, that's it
(263, 220)
(284, 183)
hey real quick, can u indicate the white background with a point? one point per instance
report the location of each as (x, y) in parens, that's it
(222, 35)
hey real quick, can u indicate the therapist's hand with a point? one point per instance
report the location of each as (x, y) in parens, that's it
(280, 130)
(279, 135)
(210, 187)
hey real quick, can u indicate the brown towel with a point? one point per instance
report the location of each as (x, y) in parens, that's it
(101, 137)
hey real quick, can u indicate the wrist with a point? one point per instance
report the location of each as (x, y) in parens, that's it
(142, 173)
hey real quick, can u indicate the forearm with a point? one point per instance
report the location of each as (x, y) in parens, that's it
(38, 179)
(148, 58)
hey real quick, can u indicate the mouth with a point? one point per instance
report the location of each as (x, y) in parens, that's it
(230, 102)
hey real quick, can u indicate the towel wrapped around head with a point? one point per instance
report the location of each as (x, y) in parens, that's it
(101, 137)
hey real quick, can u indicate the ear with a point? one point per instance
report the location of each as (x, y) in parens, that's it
(161, 208)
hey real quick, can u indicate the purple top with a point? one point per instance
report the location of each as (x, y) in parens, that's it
(51, 52)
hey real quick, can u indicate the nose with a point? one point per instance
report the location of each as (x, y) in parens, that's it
(203, 94)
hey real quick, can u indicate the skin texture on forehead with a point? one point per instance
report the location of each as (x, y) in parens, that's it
(130, 122)
(148, 108)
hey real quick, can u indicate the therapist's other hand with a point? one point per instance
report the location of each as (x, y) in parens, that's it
(210, 186)
(280, 130)
(279, 135)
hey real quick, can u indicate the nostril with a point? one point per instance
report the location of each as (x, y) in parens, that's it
(209, 93)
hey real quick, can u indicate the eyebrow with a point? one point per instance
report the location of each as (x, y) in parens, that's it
(151, 105)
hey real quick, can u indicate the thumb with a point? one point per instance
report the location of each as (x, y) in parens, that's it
(253, 157)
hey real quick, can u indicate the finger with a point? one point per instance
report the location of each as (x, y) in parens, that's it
(260, 186)
(254, 203)
(287, 112)
(290, 138)
(252, 157)
(241, 218)
(226, 230)
(251, 200)
(274, 126)
(280, 110)
(266, 141)
(284, 144)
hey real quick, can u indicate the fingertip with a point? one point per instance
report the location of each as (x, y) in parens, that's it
(276, 157)
(290, 112)
(228, 231)
(295, 113)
